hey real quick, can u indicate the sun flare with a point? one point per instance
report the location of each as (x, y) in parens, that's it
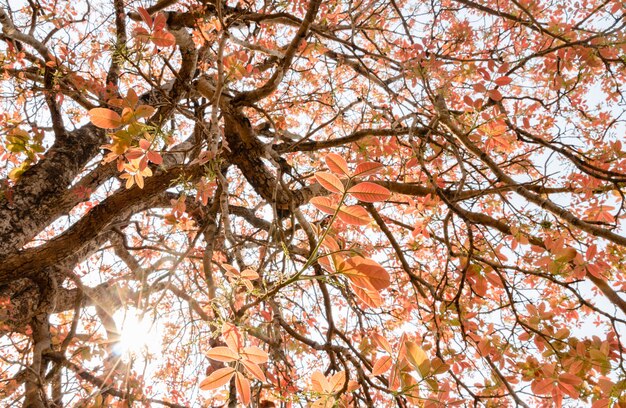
(138, 333)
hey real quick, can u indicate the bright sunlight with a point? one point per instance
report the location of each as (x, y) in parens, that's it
(139, 333)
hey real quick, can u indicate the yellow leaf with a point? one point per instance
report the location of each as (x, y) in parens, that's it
(417, 357)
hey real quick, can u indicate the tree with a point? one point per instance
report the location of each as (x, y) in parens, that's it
(307, 203)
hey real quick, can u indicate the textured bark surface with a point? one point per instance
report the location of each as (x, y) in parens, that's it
(34, 202)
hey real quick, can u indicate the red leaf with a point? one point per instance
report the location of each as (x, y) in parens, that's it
(570, 379)
(144, 144)
(330, 182)
(367, 169)
(217, 378)
(354, 215)
(505, 80)
(324, 204)
(159, 22)
(369, 192)
(595, 270)
(591, 252)
(480, 88)
(602, 403)
(154, 157)
(542, 387)
(141, 33)
(145, 16)
(569, 389)
(163, 38)
(337, 164)
(134, 153)
(495, 95)
(105, 118)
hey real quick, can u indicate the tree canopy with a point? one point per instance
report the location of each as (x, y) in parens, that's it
(349, 203)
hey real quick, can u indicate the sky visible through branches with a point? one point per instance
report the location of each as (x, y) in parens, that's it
(351, 203)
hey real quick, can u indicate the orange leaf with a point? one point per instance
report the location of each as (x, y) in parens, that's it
(369, 192)
(566, 254)
(254, 370)
(394, 380)
(324, 204)
(144, 111)
(326, 264)
(439, 366)
(367, 169)
(382, 365)
(376, 274)
(354, 215)
(105, 118)
(330, 243)
(243, 388)
(337, 381)
(324, 402)
(232, 337)
(255, 354)
(330, 182)
(357, 278)
(223, 354)
(217, 378)
(250, 275)
(417, 357)
(131, 98)
(337, 164)
(352, 386)
(570, 379)
(370, 297)
(319, 382)
(382, 342)
(569, 389)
